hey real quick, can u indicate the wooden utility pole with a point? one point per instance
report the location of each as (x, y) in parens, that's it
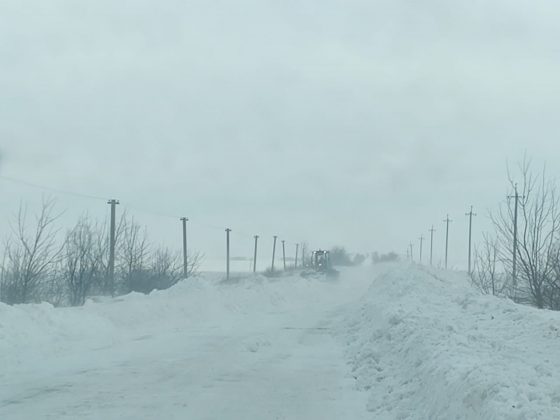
(421, 242)
(432, 230)
(470, 214)
(112, 241)
(514, 270)
(446, 221)
(273, 253)
(185, 260)
(227, 253)
(284, 253)
(297, 249)
(255, 255)
(411, 252)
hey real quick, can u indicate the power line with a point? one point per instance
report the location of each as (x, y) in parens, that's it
(47, 188)
(83, 195)
(126, 206)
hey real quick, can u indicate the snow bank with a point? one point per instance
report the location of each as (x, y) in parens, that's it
(33, 332)
(426, 345)
(30, 332)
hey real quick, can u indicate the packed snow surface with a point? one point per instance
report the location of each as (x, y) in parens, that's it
(383, 342)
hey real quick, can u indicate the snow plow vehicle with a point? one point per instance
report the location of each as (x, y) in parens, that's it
(320, 263)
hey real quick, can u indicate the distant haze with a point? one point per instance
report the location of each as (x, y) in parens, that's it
(357, 123)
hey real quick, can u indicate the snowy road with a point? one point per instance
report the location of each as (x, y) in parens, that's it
(395, 342)
(242, 351)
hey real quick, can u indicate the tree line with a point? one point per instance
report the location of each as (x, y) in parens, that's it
(40, 262)
(520, 258)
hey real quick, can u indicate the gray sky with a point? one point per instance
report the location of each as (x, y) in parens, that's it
(358, 123)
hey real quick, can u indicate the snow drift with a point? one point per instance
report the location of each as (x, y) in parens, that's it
(426, 345)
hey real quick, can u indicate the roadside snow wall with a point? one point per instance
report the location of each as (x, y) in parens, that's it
(427, 346)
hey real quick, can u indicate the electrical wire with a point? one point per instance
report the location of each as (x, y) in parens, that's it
(45, 188)
(127, 206)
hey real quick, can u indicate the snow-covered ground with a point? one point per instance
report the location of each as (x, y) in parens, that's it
(252, 349)
(425, 345)
(385, 342)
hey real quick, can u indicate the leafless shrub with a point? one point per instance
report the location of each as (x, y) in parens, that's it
(29, 254)
(164, 270)
(377, 258)
(82, 260)
(485, 275)
(132, 252)
(551, 290)
(538, 233)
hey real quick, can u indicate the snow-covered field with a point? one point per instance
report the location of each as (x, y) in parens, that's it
(385, 342)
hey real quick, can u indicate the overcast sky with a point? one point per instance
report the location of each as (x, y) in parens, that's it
(359, 123)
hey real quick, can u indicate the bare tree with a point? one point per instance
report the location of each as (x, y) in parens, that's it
(163, 270)
(133, 252)
(102, 282)
(53, 289)
(168, 264)
(29, 254)
(538, 226)
(551, 290)
(485, 275)
(81, 260)
(195, 261)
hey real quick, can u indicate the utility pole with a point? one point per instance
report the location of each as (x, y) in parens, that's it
(432, 230)
(273, 253)
(112, 240)
(284, 253)
(514, 271)
(297, 249)
(185, 260)
(470, 214)
(411, 252)
(227, 253)
(421, 242)
(255, 256)
(446, 221)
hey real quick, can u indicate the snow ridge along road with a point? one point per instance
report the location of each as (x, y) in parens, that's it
(385, 342)
(426, 345)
